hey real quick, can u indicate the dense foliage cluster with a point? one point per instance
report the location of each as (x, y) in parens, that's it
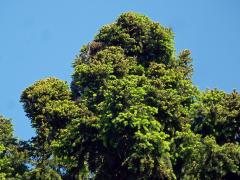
(132, 112)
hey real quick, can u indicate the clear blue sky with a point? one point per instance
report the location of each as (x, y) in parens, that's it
(41, 38)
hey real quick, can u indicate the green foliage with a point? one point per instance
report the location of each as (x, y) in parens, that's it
(203, 158)
(132, 113)
(12, 160)
(138, 94)
(217, 113)
(48, 104)
(139, 37)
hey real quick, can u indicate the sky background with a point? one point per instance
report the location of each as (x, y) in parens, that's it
(39, 39)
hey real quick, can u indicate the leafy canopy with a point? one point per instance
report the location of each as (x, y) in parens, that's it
(132, 112)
